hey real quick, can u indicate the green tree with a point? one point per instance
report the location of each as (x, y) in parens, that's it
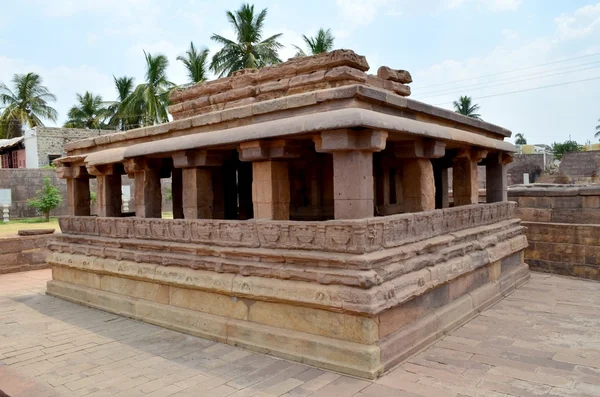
(248, 50)
(119, 116)
(520, 139)
(151, 98)
(466, 107)
(597, 134)
(47, 199)
(90, 112)
(25, 104)
(196, 63)
(322, 42)
(559, 149)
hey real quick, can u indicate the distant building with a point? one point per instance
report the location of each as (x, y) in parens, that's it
(40, 145)
(12, 153)
(534, 149)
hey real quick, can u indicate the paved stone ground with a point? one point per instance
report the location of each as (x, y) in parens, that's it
(544, 339)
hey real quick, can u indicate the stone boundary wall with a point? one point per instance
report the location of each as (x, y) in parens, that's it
(570, 250)
(573, 204)
(532, 164)
(23, 253)
(25, 183)
(580, 167)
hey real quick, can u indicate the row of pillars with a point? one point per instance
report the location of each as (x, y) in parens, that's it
(424, 165)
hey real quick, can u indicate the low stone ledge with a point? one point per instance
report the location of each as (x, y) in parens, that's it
(24, 253)
(35, 232)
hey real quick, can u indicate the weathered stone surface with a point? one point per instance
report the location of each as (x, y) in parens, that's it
(399, 76)
(35, 232)
(24, 253)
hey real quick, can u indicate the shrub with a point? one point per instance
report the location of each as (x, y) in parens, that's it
(47, 199)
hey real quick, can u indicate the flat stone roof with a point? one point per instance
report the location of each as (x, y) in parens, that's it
(294, 93)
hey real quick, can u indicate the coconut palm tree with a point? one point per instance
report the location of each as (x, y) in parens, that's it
(465, 107)
(322, 42)
(26, 104)
(150, 99)
(520, 139)
(90, 112)
(248, 50)
(117, 109)
(195, 63)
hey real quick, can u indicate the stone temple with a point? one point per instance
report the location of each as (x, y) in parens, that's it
(311, 217)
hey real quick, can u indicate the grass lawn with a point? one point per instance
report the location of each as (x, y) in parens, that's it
(11, 228)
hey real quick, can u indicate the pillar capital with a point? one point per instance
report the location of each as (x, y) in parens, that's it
(278, 149)
(473, 154)
(198, 158)
(75, 171)
(101, 169)
(420, 149)
(350, 140)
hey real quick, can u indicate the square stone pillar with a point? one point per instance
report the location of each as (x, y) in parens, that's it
(271, 190)
(418, 186)
(270, 176)
(495, 174)
(202, 180)
(78, 189)
(465, 184)
(353, 184)
(109, 195)
(177, 193)
(197, 193)
(418, 182)
(352, 169)
(148, 195)
(78, 196)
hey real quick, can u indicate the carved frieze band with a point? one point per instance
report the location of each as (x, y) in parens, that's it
(351, 236)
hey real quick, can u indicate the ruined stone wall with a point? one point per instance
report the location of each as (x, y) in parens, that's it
(570, 250)
(532, 164)
(23, 253)
(557, 203)
(563, 227)
(580, 167)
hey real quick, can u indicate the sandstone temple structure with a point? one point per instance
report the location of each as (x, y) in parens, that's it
(311, 217)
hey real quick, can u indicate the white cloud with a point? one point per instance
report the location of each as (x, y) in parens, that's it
(580, 23)
(360, 12)
(176, 72)
(510, 34)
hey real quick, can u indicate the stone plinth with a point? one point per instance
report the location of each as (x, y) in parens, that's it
(344, 295)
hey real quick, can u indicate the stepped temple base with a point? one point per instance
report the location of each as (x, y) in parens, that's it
(354, 296)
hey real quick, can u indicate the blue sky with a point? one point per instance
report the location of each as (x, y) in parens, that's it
(78, 45)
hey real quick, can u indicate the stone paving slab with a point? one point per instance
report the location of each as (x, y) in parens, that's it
(542, 340)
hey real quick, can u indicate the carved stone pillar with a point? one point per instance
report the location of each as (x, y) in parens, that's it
(465, 184)
(418, 185)
(109, 195)
(270, 177)
(495, 173)
(78, 189)
(352, 169)
(148, 195)
(198, 199)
